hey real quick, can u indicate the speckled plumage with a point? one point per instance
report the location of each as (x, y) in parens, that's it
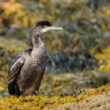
(26, 72)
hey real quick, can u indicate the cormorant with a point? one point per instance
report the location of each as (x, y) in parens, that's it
(26, 72)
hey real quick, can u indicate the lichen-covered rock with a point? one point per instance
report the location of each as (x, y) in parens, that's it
(96, 99)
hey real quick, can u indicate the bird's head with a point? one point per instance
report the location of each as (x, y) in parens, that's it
(42, 27)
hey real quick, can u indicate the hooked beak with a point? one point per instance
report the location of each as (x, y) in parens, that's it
(51, 28)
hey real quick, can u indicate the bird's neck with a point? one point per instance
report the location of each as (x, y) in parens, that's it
(37, 42)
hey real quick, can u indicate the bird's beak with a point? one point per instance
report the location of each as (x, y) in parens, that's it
(46, 29)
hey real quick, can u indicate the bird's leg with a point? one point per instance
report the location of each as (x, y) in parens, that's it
(35, 92)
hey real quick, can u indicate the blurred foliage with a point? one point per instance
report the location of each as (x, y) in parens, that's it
(66, 62)
(72, 84)
(83, 47)
(86, 22)
(66, 84)
(86, 25)
(8, 50)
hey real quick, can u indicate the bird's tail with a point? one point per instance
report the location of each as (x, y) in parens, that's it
(13, 89)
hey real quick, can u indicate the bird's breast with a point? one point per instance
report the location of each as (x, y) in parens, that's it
(37, 58)
(34, 64)
(39, 54)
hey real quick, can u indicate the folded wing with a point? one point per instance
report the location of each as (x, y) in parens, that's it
(13, 73)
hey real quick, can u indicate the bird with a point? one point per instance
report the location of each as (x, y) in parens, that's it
(27, 70)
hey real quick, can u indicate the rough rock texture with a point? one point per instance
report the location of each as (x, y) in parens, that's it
(98, 102)
(92, 99)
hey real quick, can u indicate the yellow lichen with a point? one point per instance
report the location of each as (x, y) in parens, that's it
(46, 102)
(104, 59)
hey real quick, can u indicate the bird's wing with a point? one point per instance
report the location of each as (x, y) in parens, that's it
(13, 73)
(14, 70)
